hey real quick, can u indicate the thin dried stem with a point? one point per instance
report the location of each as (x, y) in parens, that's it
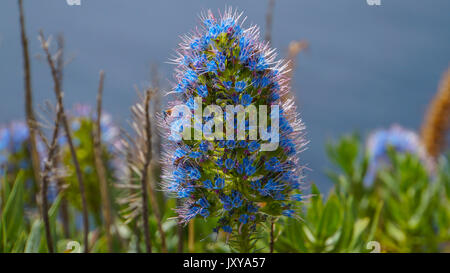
(49, 166)
(191, 236)
(65, 123)
(155, 165)
(60, 60)
(157, 150)
(295, 47)
(99, 166)
(31, 120)
(157, 107)
(269, 20)
(64, 206)
(144, 182)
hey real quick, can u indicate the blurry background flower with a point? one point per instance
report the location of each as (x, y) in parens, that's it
(397, 138)
(436, 125)
(15, 155)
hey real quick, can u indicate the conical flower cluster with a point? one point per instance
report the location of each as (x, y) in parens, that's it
(234, 181)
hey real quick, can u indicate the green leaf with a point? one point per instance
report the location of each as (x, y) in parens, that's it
(13, 213)
(330, 219)
(359, 228)
(34, 238)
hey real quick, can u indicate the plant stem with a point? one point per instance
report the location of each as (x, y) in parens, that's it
(101, 173)
(64, 204)
(31, 120)
(244, 240)
(64, 210)
(156, 211)
(144, 182)
(45, 217)
(65, 123)
(269, 21)
(191, 236)
(154, 165)
(49, 164)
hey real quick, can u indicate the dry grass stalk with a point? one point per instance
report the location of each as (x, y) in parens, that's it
(156, 109)
(99, 166)
(59, 96)
(155, 163)
(64, 206)
(144, 182)
(295, 47)
(31, 120)
(191, 236)
(437, 119)
(140, 161)
(148, 168)
(49, 166)
(269, 21)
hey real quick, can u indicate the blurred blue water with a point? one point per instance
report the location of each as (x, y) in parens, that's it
(367, 67)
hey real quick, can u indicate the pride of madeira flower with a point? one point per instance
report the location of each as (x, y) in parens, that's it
(239, 182)
(402, 141)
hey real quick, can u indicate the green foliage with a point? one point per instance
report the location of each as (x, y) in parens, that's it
(83, 140)
(415, 214)
(12, 216)
(21, 232)
(347, 156)
(331, 225)
(411, 200)
(20, 161)
(406, 209)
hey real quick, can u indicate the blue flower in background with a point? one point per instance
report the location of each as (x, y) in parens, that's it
(15, 149)
(397, 138)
